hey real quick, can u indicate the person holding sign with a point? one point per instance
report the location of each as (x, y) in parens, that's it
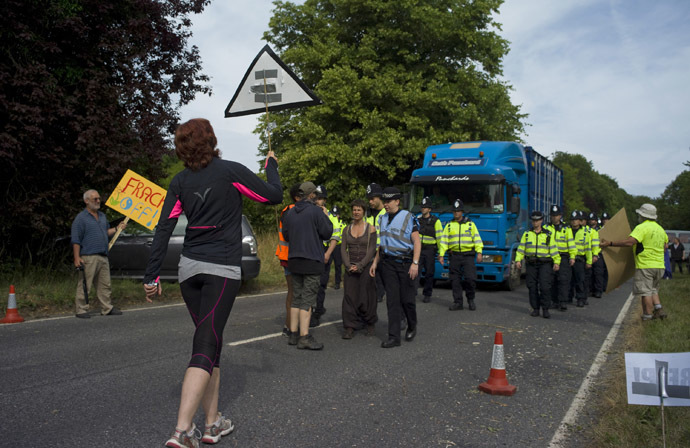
(651, 242)
(90, 235)
(209, 192)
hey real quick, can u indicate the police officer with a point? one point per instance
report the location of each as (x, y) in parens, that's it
(430, 230)
(538, 248)
(337, 257)
(583, 259)
(328, 247)
(398, 255)
(562, 234)
(596, 283)
(376, 210)
(461, 238)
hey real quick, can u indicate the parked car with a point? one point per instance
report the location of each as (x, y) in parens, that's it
(130, 253)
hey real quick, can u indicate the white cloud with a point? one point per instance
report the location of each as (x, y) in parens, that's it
(605, 80)
(609, 83)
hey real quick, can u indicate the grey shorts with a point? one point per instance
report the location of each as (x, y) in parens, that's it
(305, 288)
(646, 281)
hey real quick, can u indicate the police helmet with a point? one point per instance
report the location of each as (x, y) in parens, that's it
(581, 215)
(321, 192)
(593, 217)
(605, 216)
(426, 202)
(556, 210)
(374, 190)
(391, 193)
(458, 206)
(575, 215)
(335, 210)
(536, 215)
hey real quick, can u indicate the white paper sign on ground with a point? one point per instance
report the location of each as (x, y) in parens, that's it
(642, 378)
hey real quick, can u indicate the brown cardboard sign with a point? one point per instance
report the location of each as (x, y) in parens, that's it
(620, 261)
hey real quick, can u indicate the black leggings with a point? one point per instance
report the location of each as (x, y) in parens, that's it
(209, 299)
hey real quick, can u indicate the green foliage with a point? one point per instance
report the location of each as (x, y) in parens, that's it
(674, 208)
(89, 89)
(394, 77)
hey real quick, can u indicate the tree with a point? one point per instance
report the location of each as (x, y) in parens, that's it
(88, 89)
(674, 209)
(394, 77)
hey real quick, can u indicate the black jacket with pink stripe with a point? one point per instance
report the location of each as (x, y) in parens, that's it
(211, 198)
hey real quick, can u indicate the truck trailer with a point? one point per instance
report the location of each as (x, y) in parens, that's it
(500, 184)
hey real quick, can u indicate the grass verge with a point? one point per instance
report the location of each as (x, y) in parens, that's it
(624, 425)
(50, 291)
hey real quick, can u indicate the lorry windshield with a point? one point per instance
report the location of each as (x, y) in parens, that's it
(477, 198)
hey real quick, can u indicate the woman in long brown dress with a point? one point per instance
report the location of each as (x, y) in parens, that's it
(358, 249)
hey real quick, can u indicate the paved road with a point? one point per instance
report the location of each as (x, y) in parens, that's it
(115, 381)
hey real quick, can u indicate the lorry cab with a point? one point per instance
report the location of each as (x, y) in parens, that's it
(499, 184)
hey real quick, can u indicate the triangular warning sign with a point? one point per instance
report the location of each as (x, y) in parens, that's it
(269, 82)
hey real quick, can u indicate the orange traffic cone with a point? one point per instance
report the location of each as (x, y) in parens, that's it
(497, 384)
(12, 316)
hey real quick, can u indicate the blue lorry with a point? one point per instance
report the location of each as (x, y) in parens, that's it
(500, 183)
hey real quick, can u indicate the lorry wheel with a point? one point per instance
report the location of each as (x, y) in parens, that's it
(513, 280)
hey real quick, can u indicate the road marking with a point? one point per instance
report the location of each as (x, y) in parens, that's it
(273, 335)
(583, 394)
(158, 307)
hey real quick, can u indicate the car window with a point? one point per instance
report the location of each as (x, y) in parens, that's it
(181, 226)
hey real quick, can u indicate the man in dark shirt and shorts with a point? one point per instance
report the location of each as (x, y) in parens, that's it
(305, 226)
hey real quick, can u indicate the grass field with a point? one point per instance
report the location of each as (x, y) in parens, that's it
(624, 425)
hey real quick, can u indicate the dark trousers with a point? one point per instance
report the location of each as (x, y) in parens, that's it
(675, 263)
(539, 276)
(561, 282)
(463, 275)
(321, 295)
(427, 261)
(577, 282)
(359, 299)
(380, 289)
(400, 292)
(597, 285)
(338, 264)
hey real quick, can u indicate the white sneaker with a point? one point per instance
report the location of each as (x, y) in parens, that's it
(182, 439)
(222, 427)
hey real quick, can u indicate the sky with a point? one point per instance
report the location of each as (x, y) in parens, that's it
(605, 79)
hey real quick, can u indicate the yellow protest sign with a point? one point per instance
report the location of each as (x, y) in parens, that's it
(138, 199)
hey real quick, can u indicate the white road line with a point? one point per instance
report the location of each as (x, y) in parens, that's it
(273, 335)
(147, 308)
(582, 396)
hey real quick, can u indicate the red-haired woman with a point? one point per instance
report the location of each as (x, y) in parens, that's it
(209, 192)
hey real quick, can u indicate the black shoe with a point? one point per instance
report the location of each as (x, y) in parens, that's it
(563, 308)
(586, 302)
(410, 334)
(293, 338)
(545, 313)
(84, 316)
(534, 313)
(114, 312)
(597, 295)
(390, 343)
(426, 299)
(314, 322)
(336, 286)
(455, 306)
(349, 333)
(403, 324)
(286, 332)
(471, 304)
(580, 304)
